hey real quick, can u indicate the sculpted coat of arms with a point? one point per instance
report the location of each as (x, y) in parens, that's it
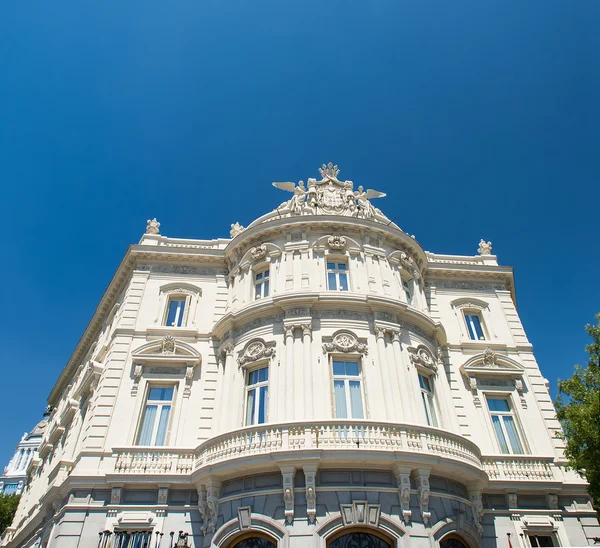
(329, 196)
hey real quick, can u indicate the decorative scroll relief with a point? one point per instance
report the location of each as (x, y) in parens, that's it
(259, 252)
(255, 350)
(360, 512)
(422, 356)
(336, 242)
(345, 342)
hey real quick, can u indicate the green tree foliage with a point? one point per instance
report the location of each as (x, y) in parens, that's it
(578, 409)
(8, 507)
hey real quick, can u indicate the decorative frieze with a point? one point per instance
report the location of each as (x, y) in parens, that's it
(181, 269)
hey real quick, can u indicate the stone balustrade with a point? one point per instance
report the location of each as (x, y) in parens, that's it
(154, 460)
(519, 468)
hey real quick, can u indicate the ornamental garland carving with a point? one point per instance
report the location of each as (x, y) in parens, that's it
(422, 356)
(255, 350)
(345, 342)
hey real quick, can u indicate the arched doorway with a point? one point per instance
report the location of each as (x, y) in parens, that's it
(253, 540)
(360, 538)
(453, 541)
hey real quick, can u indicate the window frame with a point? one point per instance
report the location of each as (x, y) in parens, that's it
(408, 290)
(142, 415)
(428, 398)
(336, 271)
(262, 282)
(256, 387)
(471, 312)
(186, 308)
(512, 412)
(347, 378)
(551, 534)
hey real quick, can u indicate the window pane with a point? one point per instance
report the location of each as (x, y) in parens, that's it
(263, 374)
(253, 377)
(262, 407)
(331, 283)
(163, 422)
(344, 282)
(352, 369)
(148, 425)
(424, 383)
(341, 266)
(171, 317)
(340, 400)
(331, 266)
(338, 368)
(356, 407)
(498, 404)
(500, 434)
(513, 436)
(434, 421)
(477, 327)
(266, 289)
(266, 274)
(161, 393)
(427, 417)
(250, 407)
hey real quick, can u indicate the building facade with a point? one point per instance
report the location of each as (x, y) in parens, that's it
(315, 380)
(13, 478)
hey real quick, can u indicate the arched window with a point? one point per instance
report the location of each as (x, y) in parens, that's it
(360, 539)
(253, 540)
(453, 541)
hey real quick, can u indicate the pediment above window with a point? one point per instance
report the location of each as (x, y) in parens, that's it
(489, 363)
(180, 289)
(469, 304)
(255, 350)
(167, 349)
(344, 342)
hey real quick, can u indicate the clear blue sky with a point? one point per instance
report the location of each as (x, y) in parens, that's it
(479, 119)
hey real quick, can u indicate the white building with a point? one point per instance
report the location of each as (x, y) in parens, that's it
(13, 478)
(316, 380)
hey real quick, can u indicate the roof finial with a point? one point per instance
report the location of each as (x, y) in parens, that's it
(485, 248)
(152, 226)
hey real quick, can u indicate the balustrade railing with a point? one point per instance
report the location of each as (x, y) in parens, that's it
(518, 467)
(154, 460)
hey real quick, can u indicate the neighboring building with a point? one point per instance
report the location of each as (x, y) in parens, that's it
(13, 478)
(316, 380)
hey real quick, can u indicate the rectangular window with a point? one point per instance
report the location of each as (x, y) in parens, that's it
(175, 312)
(407, 291)
(425, 384)
(504, 426)
(474, 326)
(137, 539)
(337, 276)
(257, 396)
(156, 416)
(541, 540)
(347, 391)
(261, 284)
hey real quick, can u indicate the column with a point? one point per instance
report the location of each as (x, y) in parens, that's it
(308, 374)
(449, 421)
(388, 396)
(226, 379)
(406, 391)
(289, 372)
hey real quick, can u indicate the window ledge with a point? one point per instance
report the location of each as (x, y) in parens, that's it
(175, 331)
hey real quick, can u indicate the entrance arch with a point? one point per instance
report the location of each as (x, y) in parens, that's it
(360, 538)
(253, 540)
(453, 541)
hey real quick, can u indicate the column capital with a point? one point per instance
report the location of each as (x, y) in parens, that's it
(380, 332)
(306, 329)
(289, 330)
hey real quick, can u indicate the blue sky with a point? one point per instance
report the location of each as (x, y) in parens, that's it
(479, 120)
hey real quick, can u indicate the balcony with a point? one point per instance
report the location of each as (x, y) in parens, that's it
(154, 461)
(512, 468)
(339, 443)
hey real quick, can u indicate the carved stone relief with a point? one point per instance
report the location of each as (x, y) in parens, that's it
(422, 356)
(345, 342)
(256, 350)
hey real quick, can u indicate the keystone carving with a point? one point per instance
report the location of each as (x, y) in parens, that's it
(336, 242)
(259, 252)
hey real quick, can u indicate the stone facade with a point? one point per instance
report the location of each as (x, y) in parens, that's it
(315, 376)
